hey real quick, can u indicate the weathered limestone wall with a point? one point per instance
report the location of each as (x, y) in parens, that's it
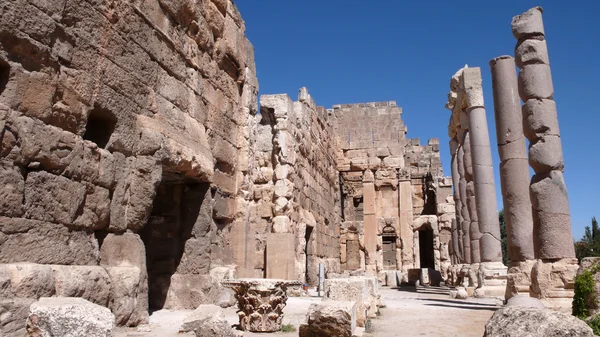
(371, 140)
(301, 182)
(107, 108)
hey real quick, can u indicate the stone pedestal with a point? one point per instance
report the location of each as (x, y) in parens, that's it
(553, 283)
(491, 279)
(260, 302)
(518, 278)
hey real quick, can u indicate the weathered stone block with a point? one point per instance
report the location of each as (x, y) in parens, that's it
(281, 256)
(70, 317)
(46, 243)
(128, 295)
(88, 282)
(12, 191)
(330, 318)
(353, 290)
(53, 198)
(26, 280)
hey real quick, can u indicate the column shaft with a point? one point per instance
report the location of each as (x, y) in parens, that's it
(514, 169)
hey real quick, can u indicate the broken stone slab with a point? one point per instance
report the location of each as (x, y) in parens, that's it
(354, 289)
(69, 317)
(208, 320)
(516, 321)
(329, 318)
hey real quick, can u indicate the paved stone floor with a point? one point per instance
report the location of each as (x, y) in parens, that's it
(424, 311)
(409, 312)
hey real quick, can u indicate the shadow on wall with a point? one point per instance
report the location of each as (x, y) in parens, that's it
(174, 213)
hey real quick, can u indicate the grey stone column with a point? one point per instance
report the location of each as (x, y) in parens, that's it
(462, 187)
(471, 206)
(514, 169)
(553, 238)
(458, 204)
(483, 172)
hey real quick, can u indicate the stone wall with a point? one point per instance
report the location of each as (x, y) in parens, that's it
(300, 180)
(110, 109)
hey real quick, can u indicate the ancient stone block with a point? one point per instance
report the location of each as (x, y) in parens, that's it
(128, 295)
(208, 320)
(528, 24)
(531, 51)
(132, 199)
(330, 318)
(53, 198)
(45, 243)
(535, 81)
(353, 290)
(88, 282)
(70, 317)
(12, 192)
(280, 256)
(26, 280)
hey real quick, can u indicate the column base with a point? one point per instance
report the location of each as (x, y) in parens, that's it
(553, 283)
(491, 280)
(518, 278)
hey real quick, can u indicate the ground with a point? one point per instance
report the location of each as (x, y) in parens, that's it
(409, 311)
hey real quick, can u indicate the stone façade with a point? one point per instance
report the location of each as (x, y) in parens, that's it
(133, 159)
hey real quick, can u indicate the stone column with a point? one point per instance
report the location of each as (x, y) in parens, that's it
(458, 204)
(514, 175)
(553, 239)
(492, 273)
(471, 205)
(462, 190)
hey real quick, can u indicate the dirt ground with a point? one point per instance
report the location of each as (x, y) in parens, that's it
(409, 312)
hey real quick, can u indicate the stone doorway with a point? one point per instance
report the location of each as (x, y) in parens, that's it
(309, 275)
(175, 210)
(389, 252)
(426, 254)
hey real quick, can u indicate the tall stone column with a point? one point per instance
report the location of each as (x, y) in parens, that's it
(492, 273)
(474, 233)
(462, 190)
(458, 204)
(514, 175)
(553, 239)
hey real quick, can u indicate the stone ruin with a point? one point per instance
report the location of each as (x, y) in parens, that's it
(138, 171)
(540, 242)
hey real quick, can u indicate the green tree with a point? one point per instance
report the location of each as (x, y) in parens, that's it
(589, 245)
(503, 237)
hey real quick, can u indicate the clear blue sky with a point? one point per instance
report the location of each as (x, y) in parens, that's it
(348, 51)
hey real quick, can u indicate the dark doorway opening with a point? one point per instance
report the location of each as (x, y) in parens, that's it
(389, 252)
(308, 253)
(426, 255)
(174, 212)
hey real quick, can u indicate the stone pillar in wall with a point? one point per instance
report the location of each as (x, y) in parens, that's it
(492, 273)
(370, 224)
(458, 204)
(406, 222)
(514, 175)
(553, 239)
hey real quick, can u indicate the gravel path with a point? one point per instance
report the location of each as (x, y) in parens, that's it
(409, 312)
